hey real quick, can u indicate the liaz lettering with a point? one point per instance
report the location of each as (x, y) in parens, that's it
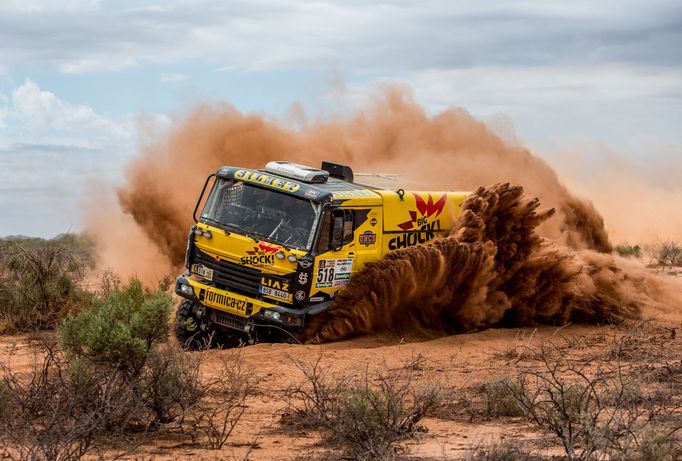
(274, 283)
(426, 233)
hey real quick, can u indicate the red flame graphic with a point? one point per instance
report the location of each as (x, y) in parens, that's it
(427, 209)
(264, 247)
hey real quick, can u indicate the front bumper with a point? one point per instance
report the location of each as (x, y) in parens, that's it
(253, 311)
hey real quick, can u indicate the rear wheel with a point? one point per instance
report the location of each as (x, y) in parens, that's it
(192, 330)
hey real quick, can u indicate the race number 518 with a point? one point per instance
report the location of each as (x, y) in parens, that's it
(325, 274)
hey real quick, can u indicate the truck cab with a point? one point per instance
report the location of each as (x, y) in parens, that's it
(272, 247)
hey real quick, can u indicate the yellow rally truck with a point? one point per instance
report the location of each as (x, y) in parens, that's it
(273, 247)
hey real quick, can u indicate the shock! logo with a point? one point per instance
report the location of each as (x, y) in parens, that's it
(422, 225)
(261, 255)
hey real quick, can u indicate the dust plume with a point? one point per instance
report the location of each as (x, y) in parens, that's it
(450, 151)
(638, 197)
(493, 269)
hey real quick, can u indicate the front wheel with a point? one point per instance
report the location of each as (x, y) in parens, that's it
(193, 332)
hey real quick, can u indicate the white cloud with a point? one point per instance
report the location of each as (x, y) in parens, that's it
(41, 113)
(85, 66)
(386, 36)
(4, 100)
(173, 78)
(49, 5)
(50, 148)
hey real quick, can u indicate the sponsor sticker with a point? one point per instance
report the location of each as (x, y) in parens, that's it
(311, 193)
(300, 295)
(305, 263)
(303, 278)
(266, 180)
(261, 255)
(213, 298)
(373, 222)
(367, 238)
(333, 272)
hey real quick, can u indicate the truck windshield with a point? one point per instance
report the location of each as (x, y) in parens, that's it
(261, 213)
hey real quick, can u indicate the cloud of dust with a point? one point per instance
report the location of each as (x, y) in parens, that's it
(450, 151)
(506, 263)
(639, 198)
(493, 269)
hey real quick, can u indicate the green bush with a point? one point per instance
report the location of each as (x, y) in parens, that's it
(39, 281)
(629, 250)
(121, 329)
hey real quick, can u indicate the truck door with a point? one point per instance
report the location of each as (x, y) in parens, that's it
(367, 236)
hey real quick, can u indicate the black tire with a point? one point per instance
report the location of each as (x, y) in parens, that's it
(192, 332)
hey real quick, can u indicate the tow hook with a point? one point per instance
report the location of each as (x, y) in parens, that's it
(250, 330)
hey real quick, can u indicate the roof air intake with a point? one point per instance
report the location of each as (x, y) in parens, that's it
(338, 171)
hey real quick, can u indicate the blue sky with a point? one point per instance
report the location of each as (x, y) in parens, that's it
(76, 76)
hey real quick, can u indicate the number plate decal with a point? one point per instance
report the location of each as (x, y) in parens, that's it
(202, 271)
(333, 272)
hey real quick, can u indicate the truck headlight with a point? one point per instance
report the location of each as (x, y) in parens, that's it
(273, 315)
(186, 289)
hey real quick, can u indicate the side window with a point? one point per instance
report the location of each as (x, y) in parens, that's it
(337, 229)
(348, 221)
(325, 232)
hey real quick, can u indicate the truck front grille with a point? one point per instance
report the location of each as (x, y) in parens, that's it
(227, 275)
(228, 320)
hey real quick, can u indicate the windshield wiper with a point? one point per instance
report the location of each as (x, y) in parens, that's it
(213, 222)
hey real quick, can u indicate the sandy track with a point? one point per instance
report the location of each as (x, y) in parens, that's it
(453, 361)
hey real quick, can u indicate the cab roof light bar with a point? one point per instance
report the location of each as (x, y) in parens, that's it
(296, 171)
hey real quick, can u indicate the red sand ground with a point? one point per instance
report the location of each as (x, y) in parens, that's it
(455, 361)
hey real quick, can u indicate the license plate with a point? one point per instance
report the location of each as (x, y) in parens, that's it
(203, 271)
(274, 293)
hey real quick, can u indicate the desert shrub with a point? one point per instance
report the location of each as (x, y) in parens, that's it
(652, 444)
(125, 332)
(367, 417)
(499, 398)
(627, 250)
(117, 381)
(506, 450)
(218, 414)
(55, 412)
(121, 329)
(38, 281)
(668, 254)
(593, 409)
